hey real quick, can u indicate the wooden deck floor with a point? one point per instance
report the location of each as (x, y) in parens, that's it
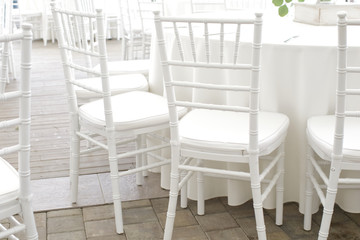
(50, 120)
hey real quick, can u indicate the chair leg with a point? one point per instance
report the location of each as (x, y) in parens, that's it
(280, 188)
(29, 220)
(115, 184)
(200, 192)
(173, 194)
(331, 191)
(308, 191)
(139, 175)
(74, 164)
(183, 193)
(144, 159)
(256, 193)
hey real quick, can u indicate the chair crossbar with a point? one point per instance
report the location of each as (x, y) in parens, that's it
(319, 170)
(10, 95)
(271, 185)
(143, 168)
(349, 181)
(90, 150)
(212, 106)
(10, 123)
(206, 20)
(144, 150)
(352, 113)
(92, 140)
(352, 91)
(11, 237)
(217, 172)
(353, 69)
(268, 168)
(211, 65)
(211, 86)
(12, 231)
(84, 69)
(318, 189)
(86, 86)
(75, 13)
(82, 51)
(11, 149)
(12, 37)
(156, 156)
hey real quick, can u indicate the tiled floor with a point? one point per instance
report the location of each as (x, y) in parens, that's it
(144, 207)
(144, 212)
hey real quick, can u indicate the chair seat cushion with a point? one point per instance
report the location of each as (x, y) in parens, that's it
(9, 179)
(118, 84)
(229, 131)
(131, 110)
(127, 67)
(320, 131)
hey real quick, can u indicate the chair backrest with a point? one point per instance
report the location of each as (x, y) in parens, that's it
(207, 5)
(18, 117)
(75, 49)
(344, 90)
(129, 12)
(85, 5)
(200, 44)
(146, 9)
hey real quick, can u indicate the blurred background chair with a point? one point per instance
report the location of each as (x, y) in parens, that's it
(137, 25)
(25, 12)
(113, 120)
(334, 140)
(79, 35)
(6, 27)
(140, 66)
(207, 5)
(236, 133)
(15, 189)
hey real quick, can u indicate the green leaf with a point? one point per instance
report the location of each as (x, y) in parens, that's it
(288, 1)
(277, 2)
(283, 10)
(301, 0)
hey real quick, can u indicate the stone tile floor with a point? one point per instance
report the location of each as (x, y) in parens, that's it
(145, 218)
(144, 207)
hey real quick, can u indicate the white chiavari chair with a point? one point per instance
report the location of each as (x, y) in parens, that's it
(15, 189)
(220, 132)
(80, 35)
(115, 67)
(334, 139)
(117, 119)
(137, 26)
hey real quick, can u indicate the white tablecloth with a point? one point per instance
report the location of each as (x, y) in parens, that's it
(298, 76)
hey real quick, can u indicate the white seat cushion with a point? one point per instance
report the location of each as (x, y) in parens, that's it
(320, 131)
(131, 110)
(118, 84)
(127, 67)
(213, 129)
(9, 179)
